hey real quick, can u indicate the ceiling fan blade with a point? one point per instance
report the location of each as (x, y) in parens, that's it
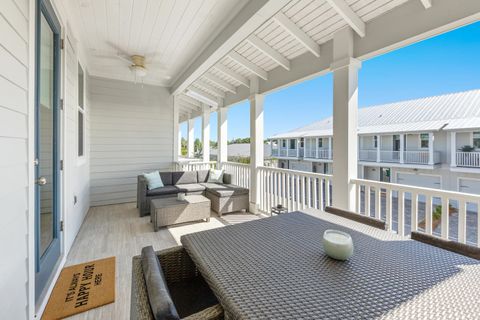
(124, 58)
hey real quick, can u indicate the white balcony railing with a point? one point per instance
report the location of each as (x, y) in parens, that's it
(367, 155)
(196, 165)
(450, 215)
(292, 153)
(322, 154)
(294, 190)
(390, 156)
(468, 159)
(240, 173)
(409, 157)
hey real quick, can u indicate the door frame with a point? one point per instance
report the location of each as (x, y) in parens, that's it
(42, 289)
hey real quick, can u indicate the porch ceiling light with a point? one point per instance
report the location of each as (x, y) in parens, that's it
(197, 96)
(138, 71)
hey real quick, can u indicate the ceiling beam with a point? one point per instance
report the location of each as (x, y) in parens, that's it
(253, 14)
(202, 96)
(427, 3)
(353, 20)
(232, 74)
(250, 66)
(189, 106)
(386, 33)
(207, 86)
(220, 82)
(189, 100)
(297, 33)
(269, 51)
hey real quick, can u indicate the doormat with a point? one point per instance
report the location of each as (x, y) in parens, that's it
(82, 287)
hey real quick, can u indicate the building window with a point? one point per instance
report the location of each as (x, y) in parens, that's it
(302, 143)
(81, 112)
(293, 144)
(375, 141)
(424, 140)
(476, 140)
(320, 142)
(284, 143)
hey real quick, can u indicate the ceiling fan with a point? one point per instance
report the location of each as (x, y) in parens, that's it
(137, 64)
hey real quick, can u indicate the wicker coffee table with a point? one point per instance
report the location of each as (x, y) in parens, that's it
(168, 211)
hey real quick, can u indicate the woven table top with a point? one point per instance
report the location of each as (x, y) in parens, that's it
(275, 268)
(173, 201)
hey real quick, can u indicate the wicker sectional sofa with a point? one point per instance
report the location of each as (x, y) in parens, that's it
(224, 197)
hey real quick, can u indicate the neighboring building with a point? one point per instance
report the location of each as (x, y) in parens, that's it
(243, 150)
(431, 142)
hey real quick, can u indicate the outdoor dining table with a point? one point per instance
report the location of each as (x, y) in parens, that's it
(276, 268)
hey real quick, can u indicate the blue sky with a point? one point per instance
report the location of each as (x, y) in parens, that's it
(446, 63)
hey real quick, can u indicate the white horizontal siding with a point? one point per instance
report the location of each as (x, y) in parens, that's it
(131, 132)
(13, 160)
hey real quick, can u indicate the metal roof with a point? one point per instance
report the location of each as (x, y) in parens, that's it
(454, 111)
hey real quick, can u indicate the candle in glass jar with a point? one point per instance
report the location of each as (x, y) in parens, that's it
(337, 244)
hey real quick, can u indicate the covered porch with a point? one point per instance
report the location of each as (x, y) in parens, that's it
(126, 74)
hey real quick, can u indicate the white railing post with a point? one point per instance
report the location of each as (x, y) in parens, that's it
(329, 147)
(379, 144)
(453, 149)
(190, 138)
(431, 138)
(402, 148)
(206, 133)
(345, 110)
(177, 134)
(256, 141)
(316, 147)
(222, 131)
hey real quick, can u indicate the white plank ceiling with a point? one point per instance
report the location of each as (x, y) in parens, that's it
(169, 33)
(172, 33)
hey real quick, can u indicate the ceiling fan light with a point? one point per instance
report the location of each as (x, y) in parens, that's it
(138, 71)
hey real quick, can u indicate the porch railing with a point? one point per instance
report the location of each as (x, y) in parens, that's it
(390, 156)
(367, 155)
(294, 190)
(193, 166)
(292, 153)
(450, 215)
(322, 154)
(240, 173)
(468, 159)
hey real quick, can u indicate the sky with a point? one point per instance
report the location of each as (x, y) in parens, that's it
(443, 64)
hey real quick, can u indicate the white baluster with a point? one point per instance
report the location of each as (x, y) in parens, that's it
(445, 217)
(414, 215)
(462, 221)
(428, 214)
(388, 211)
(401, 213)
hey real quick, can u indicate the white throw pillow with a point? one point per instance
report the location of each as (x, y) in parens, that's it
(153, 180)
(215, 176)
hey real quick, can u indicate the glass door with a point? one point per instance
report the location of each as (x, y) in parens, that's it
(47, 145)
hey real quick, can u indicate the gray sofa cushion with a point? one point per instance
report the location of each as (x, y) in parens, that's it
(166, 178)
(166, 190)
(223, 190)
(184, 177)
(190, 187)
(202, 175)
(158, 294)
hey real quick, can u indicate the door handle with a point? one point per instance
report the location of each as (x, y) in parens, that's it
(41, 181)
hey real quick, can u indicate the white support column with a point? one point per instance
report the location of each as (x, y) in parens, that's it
(316, 147)
(402, 148)
(329, 147)
(256, 142)
(222, 131)
(345, 110)
(379, 148)
(177, 134)
(431, 138)
(206, 133)
(298, 147)
(453, 149)
(190, 138)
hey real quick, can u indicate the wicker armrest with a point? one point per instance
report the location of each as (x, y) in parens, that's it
(457, 247)
(356, 217)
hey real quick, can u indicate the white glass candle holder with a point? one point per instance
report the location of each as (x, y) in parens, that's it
(337, 244)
